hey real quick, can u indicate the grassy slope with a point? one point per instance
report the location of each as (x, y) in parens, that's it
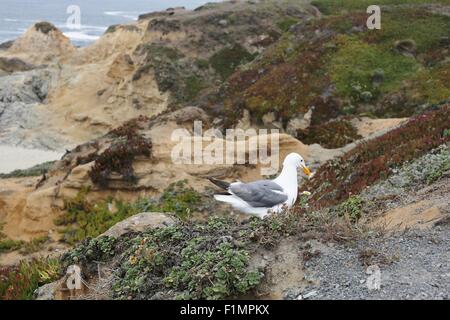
(338, 51)
(371, 161)
(192, 65)
(211, 260)
(20, 282)
(335, 6)
(192, 260)
(187, 261)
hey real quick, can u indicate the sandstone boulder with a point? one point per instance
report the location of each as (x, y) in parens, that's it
(141, 222)
(42, 42)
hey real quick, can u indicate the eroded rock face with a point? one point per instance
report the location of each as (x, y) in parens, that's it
(26, 87)
(21, 94)
(10, 65)
(418, 215)
(152, 174)
(165, 59)
(301, 122)
(42, 42)
(140, 223)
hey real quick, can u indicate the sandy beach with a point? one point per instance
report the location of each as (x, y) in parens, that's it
(12, 158)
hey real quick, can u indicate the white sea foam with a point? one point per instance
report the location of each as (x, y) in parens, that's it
(84, 27)
(132, 15)
(10, 32)
(80, 36)
(13, 158)
(18, 20)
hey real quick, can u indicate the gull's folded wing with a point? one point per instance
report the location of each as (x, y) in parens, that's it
(264, 193)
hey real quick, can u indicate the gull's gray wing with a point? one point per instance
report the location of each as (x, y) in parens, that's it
(264, 193)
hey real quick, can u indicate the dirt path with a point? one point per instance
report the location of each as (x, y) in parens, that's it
(414, 265)
(413, 257)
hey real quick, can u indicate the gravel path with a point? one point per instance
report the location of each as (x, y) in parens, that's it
(414, 265)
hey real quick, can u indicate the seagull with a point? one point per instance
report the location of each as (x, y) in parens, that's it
(263, 197)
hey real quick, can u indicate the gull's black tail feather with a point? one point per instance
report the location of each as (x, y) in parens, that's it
(221, 184)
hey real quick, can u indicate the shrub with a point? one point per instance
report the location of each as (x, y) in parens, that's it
(193, 86)
(373, 160)
(196, 261)
(351, 208)
(20, 282)
(423, 28)
(202, 64)
(83, 219)
(90, 250)
(224, 266)
(285, 88)
(337, 6)
(288, 78)
(190, 260)
(356, 62)
(286, 23)
(8, 245)
(33, 245)
(346, 63)
(333, 134)
(173, 71)
(431, 85)
(438, 169)
(44, 27)
(227, 60)
(120, 155)
(176, 198)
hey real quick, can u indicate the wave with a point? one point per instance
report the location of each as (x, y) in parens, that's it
(83, 27)
(10, 32)
(132, 15)
(19, 20)
(80, 36)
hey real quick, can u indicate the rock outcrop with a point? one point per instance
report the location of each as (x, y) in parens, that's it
(153, 174)
(10, 65)
(140, 223)
(73, 173)
(143, 67)
(42, 43)
(23, 120)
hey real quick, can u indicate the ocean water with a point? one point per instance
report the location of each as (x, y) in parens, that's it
(96, 15)
(16, 16)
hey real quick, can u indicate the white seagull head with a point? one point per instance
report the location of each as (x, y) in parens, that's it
(297, 161)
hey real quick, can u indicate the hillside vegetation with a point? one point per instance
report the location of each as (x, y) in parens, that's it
(314, 71)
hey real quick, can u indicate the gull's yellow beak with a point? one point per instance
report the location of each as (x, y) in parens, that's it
(307, 171)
